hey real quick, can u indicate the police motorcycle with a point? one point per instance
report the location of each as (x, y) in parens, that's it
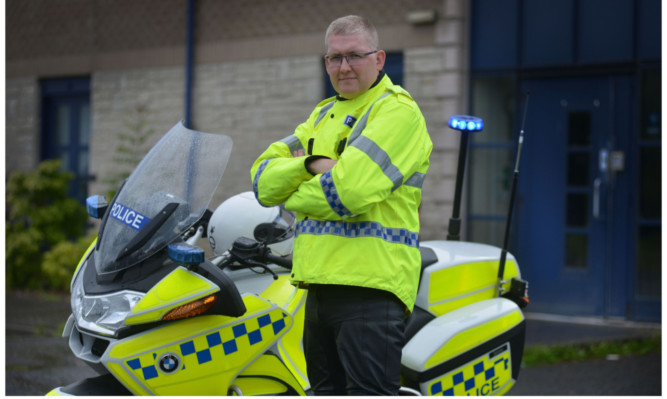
(153, 316)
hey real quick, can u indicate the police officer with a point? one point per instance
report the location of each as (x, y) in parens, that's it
(353, 173)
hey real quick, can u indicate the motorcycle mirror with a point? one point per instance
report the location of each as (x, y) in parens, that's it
(269, 233)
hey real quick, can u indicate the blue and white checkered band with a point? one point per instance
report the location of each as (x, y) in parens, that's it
(358, 229)
(255, 182)
(331, 194)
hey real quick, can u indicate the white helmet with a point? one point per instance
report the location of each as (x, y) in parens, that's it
(239, 215)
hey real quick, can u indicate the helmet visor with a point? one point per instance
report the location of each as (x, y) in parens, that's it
(287, 220)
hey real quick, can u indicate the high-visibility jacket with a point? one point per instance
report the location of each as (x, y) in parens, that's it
(358, 223)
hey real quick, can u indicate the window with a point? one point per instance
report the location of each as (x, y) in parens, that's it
(66, 128)
(491, 153)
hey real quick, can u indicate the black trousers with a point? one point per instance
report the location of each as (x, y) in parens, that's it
(353, 338)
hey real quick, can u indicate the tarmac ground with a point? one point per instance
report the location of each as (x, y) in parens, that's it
(38, 359)
(616, 375)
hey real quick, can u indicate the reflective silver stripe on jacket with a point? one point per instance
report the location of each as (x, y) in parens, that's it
(361, 124)
(293, 143)
(358, 229)
(380, 157)
(323, 112)
(416, 180)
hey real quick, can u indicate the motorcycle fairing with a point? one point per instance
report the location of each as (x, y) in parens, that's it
(197, 356)
(179, 287)
(473, 350)
(464, 274)
(292, 299)
(83, 259)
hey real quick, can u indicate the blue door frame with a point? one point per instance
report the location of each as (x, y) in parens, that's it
(575, 238)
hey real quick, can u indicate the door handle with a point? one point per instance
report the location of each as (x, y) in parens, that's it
(596, 198)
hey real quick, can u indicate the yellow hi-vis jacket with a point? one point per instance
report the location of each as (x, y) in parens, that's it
(358, 223)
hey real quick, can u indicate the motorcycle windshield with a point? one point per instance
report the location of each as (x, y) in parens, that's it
(165, 195)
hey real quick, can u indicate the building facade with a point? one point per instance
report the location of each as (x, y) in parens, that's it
(97, 82)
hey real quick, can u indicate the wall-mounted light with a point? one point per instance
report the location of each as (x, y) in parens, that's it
(422, 17)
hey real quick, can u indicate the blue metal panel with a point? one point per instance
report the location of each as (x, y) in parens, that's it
(605, 31)
(548, 36)
(494, 35)
(650, 43)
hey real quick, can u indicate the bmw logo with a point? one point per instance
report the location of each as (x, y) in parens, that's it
(169, 363)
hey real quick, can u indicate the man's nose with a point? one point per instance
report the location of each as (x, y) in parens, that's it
(344, 64)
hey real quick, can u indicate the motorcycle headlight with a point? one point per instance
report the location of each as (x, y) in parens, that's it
(103, 314)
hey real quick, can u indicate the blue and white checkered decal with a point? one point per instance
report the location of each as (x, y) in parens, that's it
(255, 182)
(358, 229)
(331, 194)
(226, 341)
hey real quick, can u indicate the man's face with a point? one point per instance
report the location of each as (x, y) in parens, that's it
(352, 81)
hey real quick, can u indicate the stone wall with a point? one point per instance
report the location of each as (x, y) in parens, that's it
(436, 76)
(21, 124)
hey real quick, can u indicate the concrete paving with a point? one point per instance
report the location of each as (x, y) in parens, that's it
(37, 359)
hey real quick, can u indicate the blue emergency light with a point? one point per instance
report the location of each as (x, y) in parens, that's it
(466, 123)
(185, 254)
(96, 205)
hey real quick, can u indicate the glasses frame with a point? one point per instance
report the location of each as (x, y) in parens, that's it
(346, 57)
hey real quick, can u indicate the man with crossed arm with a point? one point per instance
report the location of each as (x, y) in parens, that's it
(353, 174)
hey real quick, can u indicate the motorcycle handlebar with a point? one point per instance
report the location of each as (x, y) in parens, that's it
(279, 260)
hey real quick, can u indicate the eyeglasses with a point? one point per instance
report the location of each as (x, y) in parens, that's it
(353, 59)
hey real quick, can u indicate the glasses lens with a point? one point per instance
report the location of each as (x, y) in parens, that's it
(353, 59)
(335, 61)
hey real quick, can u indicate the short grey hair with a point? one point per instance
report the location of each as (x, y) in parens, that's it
(351, 25)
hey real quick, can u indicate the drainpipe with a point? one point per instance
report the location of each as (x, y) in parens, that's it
(189, 61)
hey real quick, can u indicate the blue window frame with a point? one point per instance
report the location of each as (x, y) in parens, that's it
(66, 128)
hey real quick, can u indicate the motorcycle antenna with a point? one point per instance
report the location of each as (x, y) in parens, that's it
(515, 177)
(465, 124)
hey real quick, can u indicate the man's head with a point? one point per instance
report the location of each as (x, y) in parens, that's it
(352, 39)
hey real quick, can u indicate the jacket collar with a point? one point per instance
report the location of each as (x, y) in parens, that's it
(381, 75)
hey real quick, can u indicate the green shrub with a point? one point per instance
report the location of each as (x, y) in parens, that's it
(39, 215)
(60, 262)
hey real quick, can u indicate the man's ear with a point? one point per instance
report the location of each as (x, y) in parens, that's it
(381, 56)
